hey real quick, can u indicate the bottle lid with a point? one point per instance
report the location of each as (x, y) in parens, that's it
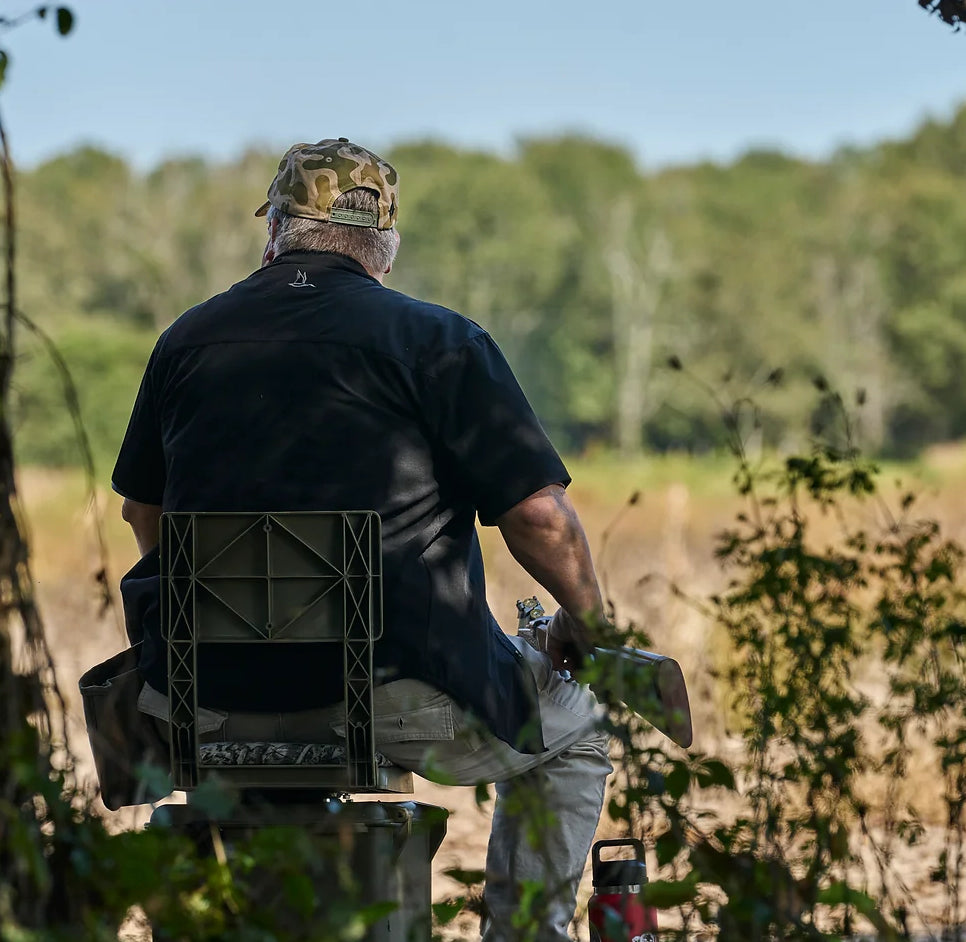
(612, 873)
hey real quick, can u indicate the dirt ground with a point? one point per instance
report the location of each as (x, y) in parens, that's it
(663, 539)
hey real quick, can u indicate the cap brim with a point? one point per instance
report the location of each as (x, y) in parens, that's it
(263, 209)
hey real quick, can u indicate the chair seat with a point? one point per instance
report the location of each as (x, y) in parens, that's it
(278, 753)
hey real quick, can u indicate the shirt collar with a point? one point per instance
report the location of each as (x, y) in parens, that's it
(321, 260)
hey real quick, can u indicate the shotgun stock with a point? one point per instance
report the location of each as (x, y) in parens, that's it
(652, 685)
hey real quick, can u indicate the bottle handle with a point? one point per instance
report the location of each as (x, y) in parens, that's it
(617, 842)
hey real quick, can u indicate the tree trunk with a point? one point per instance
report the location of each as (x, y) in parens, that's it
(851, 308)
(637, 279)
(33, 716)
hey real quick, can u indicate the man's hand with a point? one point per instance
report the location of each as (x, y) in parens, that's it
(564, 642)
(553, 637)
(564, 654)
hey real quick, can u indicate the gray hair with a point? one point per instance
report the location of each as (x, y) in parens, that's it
(374, 249)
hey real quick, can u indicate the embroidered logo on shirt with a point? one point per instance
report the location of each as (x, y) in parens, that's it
(301, 281)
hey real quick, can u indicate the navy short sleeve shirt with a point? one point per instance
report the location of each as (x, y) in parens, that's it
(310, 386)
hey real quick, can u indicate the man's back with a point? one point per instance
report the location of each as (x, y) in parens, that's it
(309, 386)
(280, 394)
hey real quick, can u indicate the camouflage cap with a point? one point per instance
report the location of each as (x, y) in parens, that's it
(311, 177)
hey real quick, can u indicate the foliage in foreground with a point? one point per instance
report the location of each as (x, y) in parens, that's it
(846, 624)
(74, 880)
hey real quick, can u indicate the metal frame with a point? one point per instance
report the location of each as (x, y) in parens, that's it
(285, 578)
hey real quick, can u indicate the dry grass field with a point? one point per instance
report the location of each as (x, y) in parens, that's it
(664, 537)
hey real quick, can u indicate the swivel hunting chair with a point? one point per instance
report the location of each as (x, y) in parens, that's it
(294, 578)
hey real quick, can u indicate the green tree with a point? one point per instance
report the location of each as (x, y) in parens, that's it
(479, 235)
(612, 302)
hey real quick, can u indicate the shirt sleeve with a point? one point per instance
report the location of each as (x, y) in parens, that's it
(487, 430)
(139, 473)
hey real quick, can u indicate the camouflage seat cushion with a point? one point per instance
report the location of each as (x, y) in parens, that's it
(277, 753)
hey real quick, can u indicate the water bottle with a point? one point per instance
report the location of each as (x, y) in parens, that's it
(617, 912)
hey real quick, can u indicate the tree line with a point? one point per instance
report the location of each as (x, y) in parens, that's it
(597, 277)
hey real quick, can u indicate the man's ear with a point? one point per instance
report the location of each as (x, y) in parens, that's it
(268, 256)
(395, 250)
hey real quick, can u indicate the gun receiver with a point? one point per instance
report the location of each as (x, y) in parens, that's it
(651, 685)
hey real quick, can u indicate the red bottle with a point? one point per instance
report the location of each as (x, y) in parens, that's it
(617, 912)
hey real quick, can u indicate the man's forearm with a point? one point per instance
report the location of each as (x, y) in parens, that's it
(561, 563)
(545, 536)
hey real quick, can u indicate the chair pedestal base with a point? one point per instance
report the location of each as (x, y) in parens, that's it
(354, 854)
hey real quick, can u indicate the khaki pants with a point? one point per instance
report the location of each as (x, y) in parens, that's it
(547, 804)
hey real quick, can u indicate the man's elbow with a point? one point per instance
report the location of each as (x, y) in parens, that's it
(138, 514)
(131, 511)
(144, 520)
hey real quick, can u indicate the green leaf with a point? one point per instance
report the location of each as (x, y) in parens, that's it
(664, 894)
(482, 794)
(678, 780)
(617, 811)
(667, 847)
(65, 20)
(214, 798)
(447, 910)
(840, 893)
(836, 893)
(466, 877)
(372, 913)
(437, 775)
(4, 62)
(714, 772)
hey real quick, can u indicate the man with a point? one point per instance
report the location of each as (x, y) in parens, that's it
(311, 386)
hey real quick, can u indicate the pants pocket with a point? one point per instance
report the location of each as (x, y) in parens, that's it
(408, 710)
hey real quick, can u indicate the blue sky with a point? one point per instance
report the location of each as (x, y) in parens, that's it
(146, 78)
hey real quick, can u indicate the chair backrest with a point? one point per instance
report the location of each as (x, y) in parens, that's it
(277, 578)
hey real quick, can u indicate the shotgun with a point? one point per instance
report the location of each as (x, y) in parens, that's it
(651, 685)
